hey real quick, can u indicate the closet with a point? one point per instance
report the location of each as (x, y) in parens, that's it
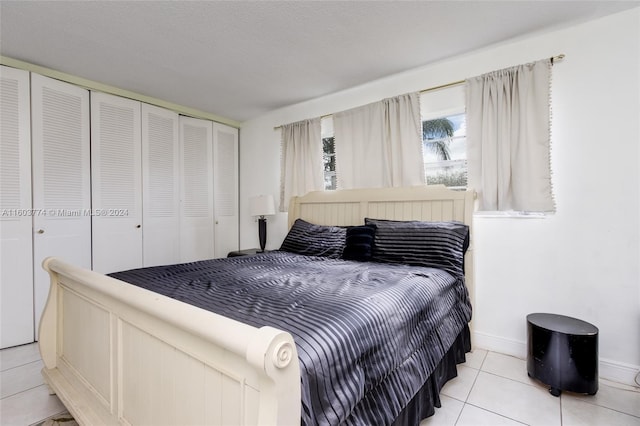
(45, 192)
(103, 182)
(161, 186)
(16, 291)
(60, 169)
(116, 184)
(153, 179)
(196, 189)
(225, 170)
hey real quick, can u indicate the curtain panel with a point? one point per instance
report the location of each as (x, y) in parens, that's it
(302, 166)
(508, 134)
(380, 144)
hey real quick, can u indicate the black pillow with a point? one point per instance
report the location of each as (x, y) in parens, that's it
(433, 244)
(315, 240)
(359, 244)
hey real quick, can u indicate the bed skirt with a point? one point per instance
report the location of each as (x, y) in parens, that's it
(428, 397)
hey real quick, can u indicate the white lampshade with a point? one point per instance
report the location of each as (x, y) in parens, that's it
(262, 205)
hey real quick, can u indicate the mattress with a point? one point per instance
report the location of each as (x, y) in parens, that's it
(368, 334)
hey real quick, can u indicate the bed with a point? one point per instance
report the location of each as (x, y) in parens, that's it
(118, 353)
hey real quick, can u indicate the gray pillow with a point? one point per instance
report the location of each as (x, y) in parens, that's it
(433, 244)
(315, 240)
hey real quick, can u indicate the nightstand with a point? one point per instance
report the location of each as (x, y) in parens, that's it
(563, 353)
(245, 252)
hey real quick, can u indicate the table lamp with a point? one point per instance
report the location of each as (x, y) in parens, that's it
(262, 205)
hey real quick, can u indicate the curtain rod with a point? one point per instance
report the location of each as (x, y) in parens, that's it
(553, 59)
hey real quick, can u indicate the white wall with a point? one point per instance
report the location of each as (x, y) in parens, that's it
(584, 260)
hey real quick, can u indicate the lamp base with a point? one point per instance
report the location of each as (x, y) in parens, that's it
(262, 233)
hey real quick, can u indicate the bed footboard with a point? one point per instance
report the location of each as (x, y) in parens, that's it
(119, 354)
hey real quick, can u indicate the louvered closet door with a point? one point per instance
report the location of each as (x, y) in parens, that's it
(16, 258)
(116, 183)
(61, 178)
(160, 186)
(196, 190)
(225, 169)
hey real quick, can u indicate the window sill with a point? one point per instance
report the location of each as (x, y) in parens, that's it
(511, 215)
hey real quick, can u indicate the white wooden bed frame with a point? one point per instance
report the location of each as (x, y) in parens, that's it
(115, 353)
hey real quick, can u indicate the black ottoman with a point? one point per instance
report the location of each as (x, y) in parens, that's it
(562, 352)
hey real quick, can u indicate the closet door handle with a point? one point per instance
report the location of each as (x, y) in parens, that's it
(40, 231)
(138, 226)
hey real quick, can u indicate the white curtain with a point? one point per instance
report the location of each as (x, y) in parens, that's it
(380, 144)
(302, 166)
(508, 138)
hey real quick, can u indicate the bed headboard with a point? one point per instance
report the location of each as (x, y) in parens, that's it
(351, 206)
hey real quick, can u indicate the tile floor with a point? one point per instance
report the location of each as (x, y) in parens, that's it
(494, 389)
(491, 389)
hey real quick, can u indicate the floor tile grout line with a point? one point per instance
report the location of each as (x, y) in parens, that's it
(533, 385)
(465, 403)
(606, 408)
(459, 414)
(507, 378)
(484, 359)
(560, 404)
(475, 379)
(618, 386)
(21, 365)
(470, 390)
(37, 354)
(497, 414)
(22, 391)
(467, 396)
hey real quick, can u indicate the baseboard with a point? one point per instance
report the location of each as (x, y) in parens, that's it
(608, 369)
(499, 344)
(618, 371)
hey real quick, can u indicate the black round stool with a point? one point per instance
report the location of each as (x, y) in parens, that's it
(562, 352)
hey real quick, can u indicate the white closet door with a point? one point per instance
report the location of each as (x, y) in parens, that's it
(61, 178)
(196, 190)
(16, 257)
(160, 186)
(116, 183)
(225, 169)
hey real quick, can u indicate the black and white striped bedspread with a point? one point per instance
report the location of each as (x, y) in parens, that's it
(368, 334)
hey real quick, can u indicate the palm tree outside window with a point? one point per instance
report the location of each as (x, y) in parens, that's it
(329, 158)
(444, 150)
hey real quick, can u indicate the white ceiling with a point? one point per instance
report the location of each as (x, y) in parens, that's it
(240, 59)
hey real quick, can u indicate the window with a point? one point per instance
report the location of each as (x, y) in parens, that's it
(444, 139)
(444, 136)
(444, 150)
(329, 157)
(328, 153)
